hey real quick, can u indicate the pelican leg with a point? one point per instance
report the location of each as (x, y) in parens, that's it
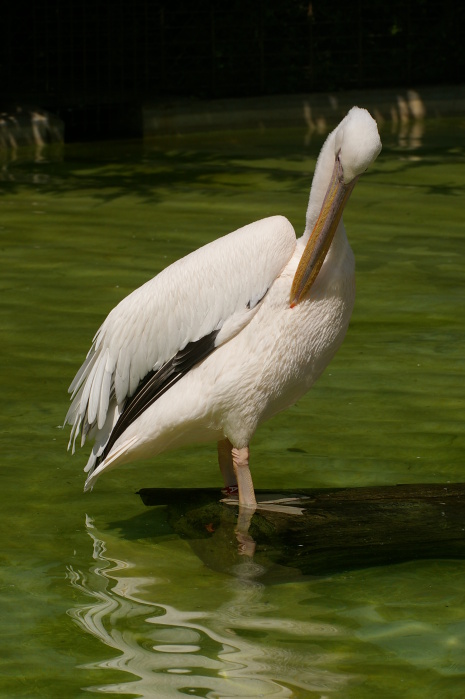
(225, 461)
(247, 501)
(240, 459)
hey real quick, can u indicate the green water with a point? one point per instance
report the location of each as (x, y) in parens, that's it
(96, 597)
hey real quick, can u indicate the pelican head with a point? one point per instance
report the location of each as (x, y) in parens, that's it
(348, 151)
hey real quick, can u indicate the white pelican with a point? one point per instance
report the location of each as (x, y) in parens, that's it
(228, 336)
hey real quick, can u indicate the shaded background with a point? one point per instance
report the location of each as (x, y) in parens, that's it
(95, 62)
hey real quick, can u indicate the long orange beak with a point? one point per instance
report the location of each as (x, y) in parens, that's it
(336, 197)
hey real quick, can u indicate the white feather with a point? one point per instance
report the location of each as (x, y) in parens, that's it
(105, 389)
(206, 290)
(96, 388)
(117, 453)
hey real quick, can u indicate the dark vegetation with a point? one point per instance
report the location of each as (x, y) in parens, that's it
(107, 58)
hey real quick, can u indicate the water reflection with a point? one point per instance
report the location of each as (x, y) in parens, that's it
(311, 532)
(23, 126)
(233, 647)
(408, 120)
(29, 135)
(405, 110)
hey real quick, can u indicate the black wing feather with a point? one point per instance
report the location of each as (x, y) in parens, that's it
(156, 383)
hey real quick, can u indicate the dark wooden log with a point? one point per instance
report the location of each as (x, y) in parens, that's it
(319, 532)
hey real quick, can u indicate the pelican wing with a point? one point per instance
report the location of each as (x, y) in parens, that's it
(158, 382)
(211, 293)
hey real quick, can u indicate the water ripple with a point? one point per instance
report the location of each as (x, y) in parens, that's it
(218, 653)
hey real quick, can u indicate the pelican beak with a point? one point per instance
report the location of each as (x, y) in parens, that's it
(336, 198)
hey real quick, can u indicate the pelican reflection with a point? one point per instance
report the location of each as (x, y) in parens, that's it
(202, 633)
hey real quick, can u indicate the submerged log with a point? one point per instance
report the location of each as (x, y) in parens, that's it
(319, 532)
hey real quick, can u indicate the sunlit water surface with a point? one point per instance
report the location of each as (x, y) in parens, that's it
(97, 597)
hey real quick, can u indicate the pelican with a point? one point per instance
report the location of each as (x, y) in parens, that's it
(228, 336)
